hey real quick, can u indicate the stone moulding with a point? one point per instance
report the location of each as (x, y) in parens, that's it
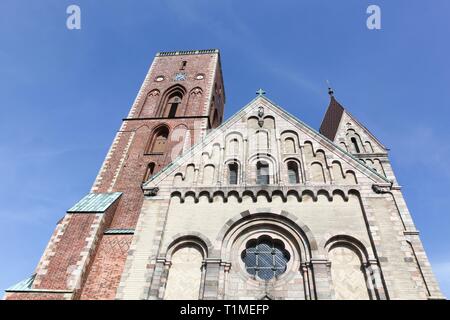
(269, 192)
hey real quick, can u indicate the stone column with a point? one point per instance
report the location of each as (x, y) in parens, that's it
(306, 274)
(279, 164)
(304, 164)
(211, 287)
(322, 279)
(202, 281)
(244, 175)
(374, 283)
(220, 177)
(223, 277)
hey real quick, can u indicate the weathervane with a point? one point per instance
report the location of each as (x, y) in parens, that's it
(330, 89)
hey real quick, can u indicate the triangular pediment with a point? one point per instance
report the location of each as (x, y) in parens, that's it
(263, 131)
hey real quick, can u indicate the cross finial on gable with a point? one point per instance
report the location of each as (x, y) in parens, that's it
(260, 92)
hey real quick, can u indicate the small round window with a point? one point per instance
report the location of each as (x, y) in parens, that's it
(265, 257)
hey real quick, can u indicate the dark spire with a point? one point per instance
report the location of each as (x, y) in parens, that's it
(332, 117)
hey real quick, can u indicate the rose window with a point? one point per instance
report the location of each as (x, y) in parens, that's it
(265, 257)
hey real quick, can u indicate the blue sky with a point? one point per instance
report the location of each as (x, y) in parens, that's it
(63, 93)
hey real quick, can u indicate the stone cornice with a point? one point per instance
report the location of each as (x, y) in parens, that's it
(298, 191)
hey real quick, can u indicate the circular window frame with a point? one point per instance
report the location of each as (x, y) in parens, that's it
(198, 75)
(275, 244)
(291, 266)
(162, 78)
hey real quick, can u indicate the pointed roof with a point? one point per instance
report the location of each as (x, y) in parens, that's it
(333, 116)
(332, 119)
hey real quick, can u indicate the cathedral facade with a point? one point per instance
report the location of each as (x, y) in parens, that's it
(261, 206)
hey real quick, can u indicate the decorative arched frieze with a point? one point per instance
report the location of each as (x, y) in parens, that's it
(325, 193)
(280, 194)
(219, 195)
(265, 194)
(309, 194)
(339, 192)
(284, 193)
(205, 194)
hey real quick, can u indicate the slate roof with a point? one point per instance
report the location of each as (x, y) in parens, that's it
(24, 285)
(331, 120)
(95, 202)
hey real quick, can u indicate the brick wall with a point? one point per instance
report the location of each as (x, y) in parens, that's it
(105, 272)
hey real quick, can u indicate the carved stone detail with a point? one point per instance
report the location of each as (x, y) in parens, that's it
(151, 192)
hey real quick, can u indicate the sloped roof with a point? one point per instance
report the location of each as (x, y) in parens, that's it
(95, 202)
(24, 285)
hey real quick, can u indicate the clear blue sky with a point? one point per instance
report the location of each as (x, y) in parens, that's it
(63, 93)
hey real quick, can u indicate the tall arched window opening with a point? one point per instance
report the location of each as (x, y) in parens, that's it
(233, 173)
(173, 104)
(293, 172)
(355, 144)
(262, 173)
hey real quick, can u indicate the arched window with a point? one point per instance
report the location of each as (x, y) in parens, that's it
(172, 105)
(149, 171)
(160, 140)
(355, 144)
(233, 173)
(262, 173)
(292, 168)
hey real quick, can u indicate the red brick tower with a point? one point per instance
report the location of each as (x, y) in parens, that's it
(182, 97)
